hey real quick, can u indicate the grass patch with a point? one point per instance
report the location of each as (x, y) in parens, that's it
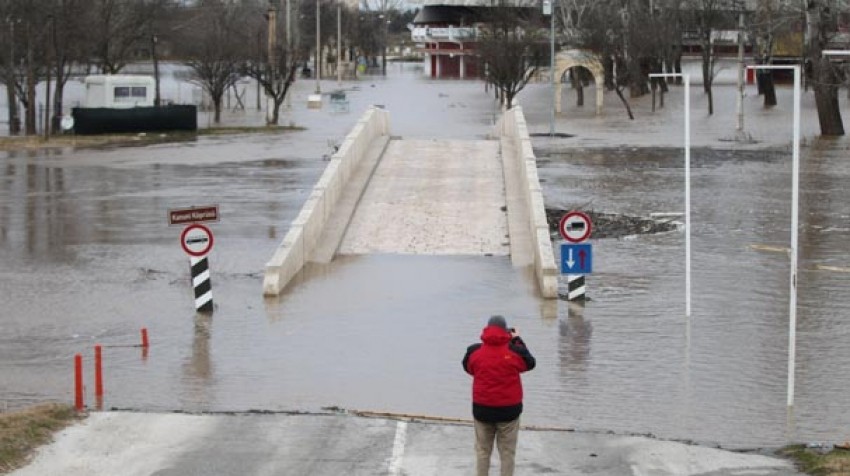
(811, 461)
(130, 139)
(21, 432)
(213, 131)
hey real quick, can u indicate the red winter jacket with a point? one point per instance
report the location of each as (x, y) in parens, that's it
(495, 366)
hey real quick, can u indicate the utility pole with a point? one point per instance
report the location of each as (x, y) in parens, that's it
(47, 88)
(318, 48)
(548, 9)
(272, 18)
(338, 43)
(290, 51)
(259, 55)
(156, 98)
(11, 95)
(384, 22)
(30, 119)
(740, 101)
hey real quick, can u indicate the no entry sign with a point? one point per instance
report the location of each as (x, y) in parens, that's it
(575, 227)
(196, 240)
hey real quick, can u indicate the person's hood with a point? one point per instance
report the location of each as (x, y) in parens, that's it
(495, 335)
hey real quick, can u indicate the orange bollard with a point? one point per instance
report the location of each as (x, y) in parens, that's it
(78, 382)
(98, 372)
(145, 342)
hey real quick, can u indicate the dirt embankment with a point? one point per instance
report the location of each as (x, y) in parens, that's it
(611, 225)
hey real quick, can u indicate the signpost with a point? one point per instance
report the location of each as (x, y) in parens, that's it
(575, 227)
(181, 216)
(576, 257)
(197, 241)
(795, 207)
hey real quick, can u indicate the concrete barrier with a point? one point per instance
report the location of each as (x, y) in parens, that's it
(306, 229)
(512, 126)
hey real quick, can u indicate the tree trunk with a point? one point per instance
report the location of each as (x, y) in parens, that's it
(825, 81)
(12, 101)
(31, 105)
(625, 103)
(710, 101)
(275, 114)
(678, 68)
(608, 65)
(769, 89)
(578, 84)
(217, 107)
(826, 98)
(58, 98)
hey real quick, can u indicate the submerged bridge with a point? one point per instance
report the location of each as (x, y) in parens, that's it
(381, 194)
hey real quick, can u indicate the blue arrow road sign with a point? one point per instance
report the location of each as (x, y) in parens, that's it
(576, 258)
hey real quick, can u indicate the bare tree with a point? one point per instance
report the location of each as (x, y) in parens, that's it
(710, 16)
(117, 28)
(825, 76)
(512, 47)
(606, 31)
(275, 70)
(32, 14)
(215, 47)
(384, 9)
(65, 44)
(771, 21)
(10, 12)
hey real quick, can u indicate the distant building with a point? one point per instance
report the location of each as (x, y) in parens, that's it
(445, 31)
(446, 35)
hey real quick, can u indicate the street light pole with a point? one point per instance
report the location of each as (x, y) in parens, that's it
(549, 9)
(795, 207)
(687, 82)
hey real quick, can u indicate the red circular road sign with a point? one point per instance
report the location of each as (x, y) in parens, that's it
(196, 240)
(575, 227)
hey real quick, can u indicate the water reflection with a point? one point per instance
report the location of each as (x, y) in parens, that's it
(576, 334)
(199, 369)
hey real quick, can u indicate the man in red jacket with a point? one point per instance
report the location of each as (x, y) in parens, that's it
(495, 365)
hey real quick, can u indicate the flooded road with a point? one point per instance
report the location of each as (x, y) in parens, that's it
(87, 257)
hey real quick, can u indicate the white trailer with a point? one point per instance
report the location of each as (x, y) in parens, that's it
(119, 91)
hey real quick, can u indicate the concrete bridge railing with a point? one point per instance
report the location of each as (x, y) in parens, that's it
(307, 227)
(512, 126)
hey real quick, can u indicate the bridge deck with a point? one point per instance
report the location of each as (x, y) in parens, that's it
(433, 197)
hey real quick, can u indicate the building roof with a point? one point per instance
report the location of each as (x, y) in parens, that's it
(456, 15)
(460, 15)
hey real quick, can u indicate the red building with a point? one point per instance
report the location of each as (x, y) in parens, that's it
(447, 34)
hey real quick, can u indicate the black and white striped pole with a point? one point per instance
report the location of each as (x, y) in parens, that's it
(576, 257)
(201, 284)
(575, 287)
(197, 241)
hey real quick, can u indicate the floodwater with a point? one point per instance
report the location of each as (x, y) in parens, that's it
(88, 258)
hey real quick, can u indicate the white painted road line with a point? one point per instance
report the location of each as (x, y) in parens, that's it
(398, 448)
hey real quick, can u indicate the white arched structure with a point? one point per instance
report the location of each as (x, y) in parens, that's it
(572, 58)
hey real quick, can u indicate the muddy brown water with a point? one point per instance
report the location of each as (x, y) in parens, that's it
(87, 258)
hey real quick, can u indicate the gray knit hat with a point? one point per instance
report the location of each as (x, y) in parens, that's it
(498, 321)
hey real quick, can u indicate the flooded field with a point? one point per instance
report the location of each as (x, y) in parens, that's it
(87, 257)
